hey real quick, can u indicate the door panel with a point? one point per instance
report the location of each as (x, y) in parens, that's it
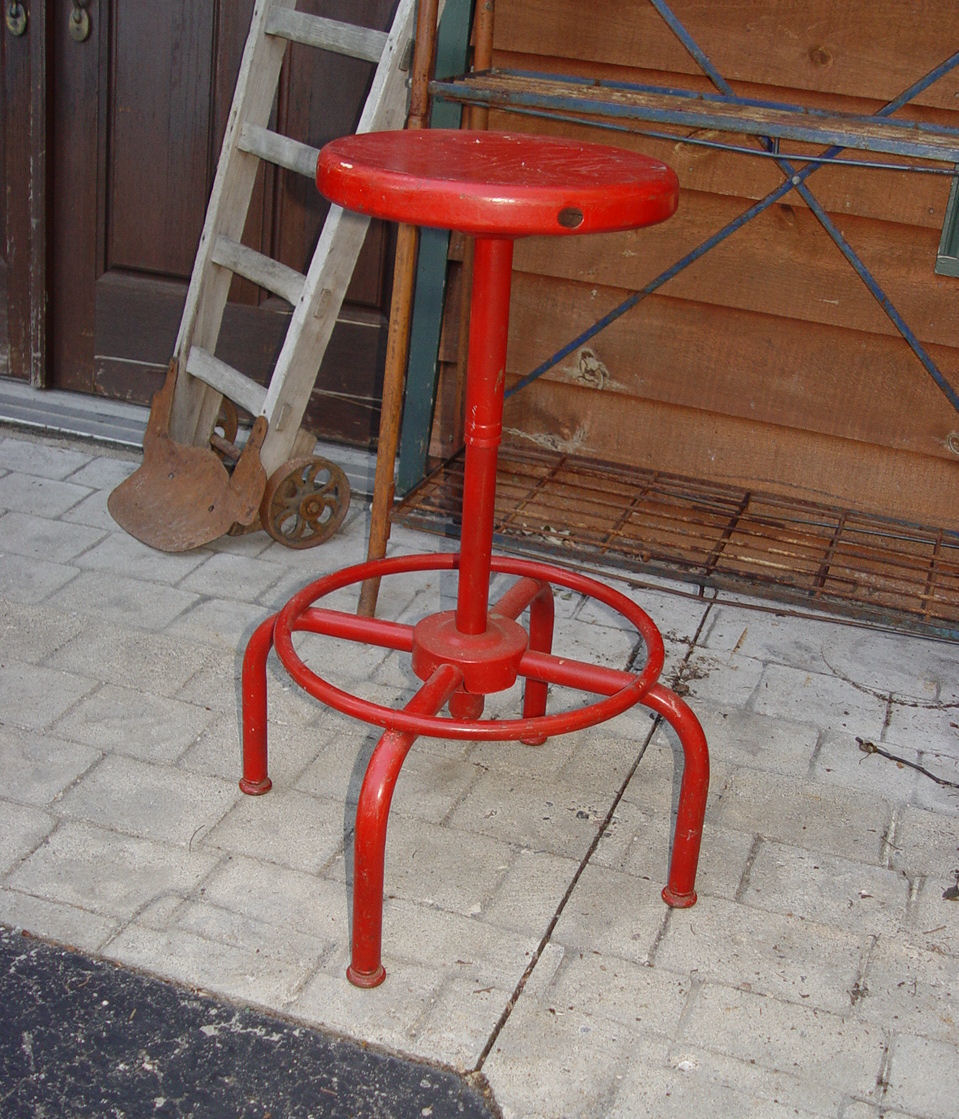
(158, 160)
(137, 116)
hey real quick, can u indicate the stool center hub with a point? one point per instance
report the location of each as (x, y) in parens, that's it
(489, 661)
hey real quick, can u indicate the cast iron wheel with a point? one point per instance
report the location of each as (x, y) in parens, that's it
(305, 502)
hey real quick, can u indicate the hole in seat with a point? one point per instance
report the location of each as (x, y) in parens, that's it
(569, 217)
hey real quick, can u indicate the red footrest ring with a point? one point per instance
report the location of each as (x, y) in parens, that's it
(625, 692)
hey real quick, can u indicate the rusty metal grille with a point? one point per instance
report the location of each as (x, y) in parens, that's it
(589, 512)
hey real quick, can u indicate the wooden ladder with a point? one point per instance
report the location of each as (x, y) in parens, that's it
(202, 379)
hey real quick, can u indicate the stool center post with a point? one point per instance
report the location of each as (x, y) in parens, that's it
(485, 385)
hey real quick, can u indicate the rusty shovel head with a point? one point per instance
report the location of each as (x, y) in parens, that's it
(183, 496)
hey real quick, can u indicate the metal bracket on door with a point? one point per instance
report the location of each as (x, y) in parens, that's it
(15, 18)
(79, 25)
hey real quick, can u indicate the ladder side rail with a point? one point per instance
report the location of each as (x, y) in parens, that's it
(195, 407)
(333, 261)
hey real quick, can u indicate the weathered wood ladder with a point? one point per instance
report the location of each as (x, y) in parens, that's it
(315, 297)
(186, 412)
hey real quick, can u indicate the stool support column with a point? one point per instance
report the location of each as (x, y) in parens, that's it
(485, 384)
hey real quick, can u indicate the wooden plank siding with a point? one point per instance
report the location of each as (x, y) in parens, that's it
(767, 363)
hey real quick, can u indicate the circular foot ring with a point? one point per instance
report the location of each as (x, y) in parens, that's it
(532, 728)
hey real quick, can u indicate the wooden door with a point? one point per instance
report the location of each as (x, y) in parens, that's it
(136, 114)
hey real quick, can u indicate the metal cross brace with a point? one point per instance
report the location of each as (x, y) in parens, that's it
(794, 180)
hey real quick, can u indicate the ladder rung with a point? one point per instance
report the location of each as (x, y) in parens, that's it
(259, 269)
(328, 34)
(233, 384)
(278, 149)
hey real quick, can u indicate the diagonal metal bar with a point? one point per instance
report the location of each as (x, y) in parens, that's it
(794, 180)
(653, 285)
(798, 180)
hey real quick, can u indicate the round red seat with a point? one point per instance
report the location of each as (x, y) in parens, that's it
(498, 184)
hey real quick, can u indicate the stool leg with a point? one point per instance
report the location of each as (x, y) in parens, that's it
(369, 842)
(680, 891)
(369, 854)
(467, 706)
(541, 617)
(485, 383)
(538, 596)
(253, 690)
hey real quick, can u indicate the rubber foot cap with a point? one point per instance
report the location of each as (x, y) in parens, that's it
(256, 788)
(679, 901)
(366, 978)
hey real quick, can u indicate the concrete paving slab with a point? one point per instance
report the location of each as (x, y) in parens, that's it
(779, 955)
(39, 495)
(464, 945)
(31, 633)
(293, 747)
(121, 555)
(122, 600)
(910, 1084)
(637, 842)
(39, 537)
(32, 696)
(37, 766)
(815, 697)
(147, 726)
(910, 990)
(106, 872)
(925, 844)
(41, 458)
(30, 581)
(845, 1055)
(93, 511)
(807, 814)
(548, 1061)
(736, 1082)
(146, 661)
(142, 799)
(613, 913)
(65, 924)
(726, 679)
(843, 759)
(849, 895)
(22, 828)
(679, 1091)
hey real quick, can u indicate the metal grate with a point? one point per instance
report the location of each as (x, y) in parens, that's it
(874, 568)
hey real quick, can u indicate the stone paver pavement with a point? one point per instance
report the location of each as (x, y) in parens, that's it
(525, 939)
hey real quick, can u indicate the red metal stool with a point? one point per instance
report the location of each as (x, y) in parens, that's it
(497, 187)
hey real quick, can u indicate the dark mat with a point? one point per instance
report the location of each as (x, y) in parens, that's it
(82, 1037)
